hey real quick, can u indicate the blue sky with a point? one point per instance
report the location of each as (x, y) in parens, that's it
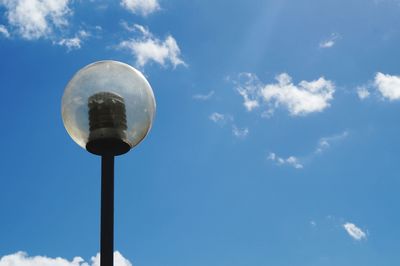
(275, 140)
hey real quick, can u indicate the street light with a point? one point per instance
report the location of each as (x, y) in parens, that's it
(108, 108)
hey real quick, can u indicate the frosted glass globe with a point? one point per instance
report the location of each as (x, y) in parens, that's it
(108, 101)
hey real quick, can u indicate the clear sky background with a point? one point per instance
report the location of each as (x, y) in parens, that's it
(275, 142)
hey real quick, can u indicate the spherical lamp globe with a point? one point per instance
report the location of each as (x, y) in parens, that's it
(108, 107)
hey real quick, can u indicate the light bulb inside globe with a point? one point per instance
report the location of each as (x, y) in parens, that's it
(108, 107)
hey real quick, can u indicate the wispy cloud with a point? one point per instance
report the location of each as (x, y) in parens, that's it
(141, 7)
(325, 143)
(136, 28)
(22, 259)
(388, 86)
(302, 99)
(71, 43)
(148, 48)
(290, 161)
(298, 162)
(204, 97)
(339, 223)
(34, 19)
(75, 42)
(219, 118)
(329, 42)
(354, 231)
(363, 92)
(4, 31)
(249, 88)
(225, 120)
(240, 132)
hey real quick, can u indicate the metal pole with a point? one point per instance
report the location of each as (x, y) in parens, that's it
(107, 211)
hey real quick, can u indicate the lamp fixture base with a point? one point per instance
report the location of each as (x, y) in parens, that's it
(108, 146)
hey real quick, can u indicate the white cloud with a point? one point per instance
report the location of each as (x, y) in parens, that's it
(305, 98)
(302, 99)
(323, 144)
(84, 34)
(240, 132)
(216, 117)
(148, 48)
(326, 142)
(75, 42)
(388, 86)
(355, 232)
(203, 97)
(136, 27)
(249, 89)
(119, 260)
(4, 31)
(219, 118)
(329, 42)
(226, 119)
(143, 7)
(71, 43)
(33, 19)
(22, 259)
(363, 92)
(268, 113)
(291, 160)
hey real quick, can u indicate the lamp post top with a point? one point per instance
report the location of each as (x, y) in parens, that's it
(108, 105)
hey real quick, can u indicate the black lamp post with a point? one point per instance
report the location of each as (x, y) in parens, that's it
(108, 108)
